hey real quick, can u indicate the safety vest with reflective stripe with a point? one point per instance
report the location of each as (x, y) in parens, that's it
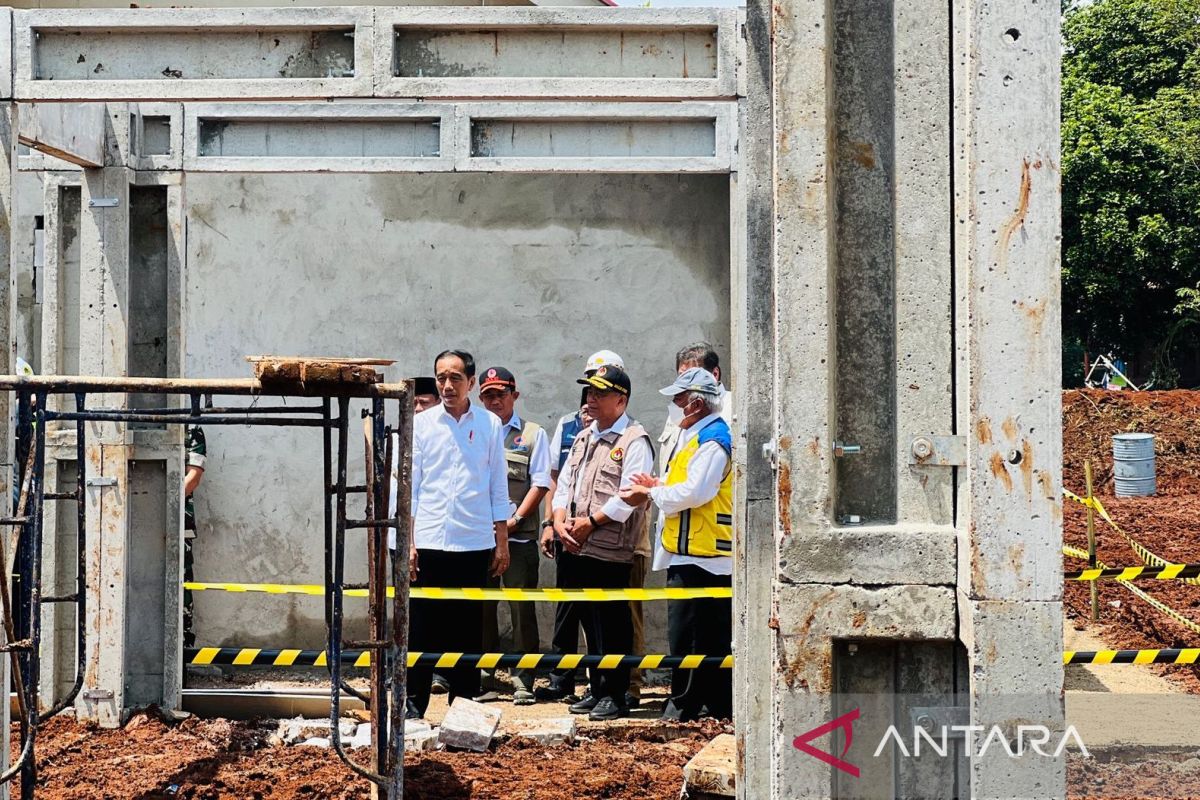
(706, 530)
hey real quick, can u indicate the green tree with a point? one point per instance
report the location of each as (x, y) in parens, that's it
(1131, 175)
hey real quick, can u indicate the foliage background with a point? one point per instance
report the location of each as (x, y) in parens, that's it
(1131, 186)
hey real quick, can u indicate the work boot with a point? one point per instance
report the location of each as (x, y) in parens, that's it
(607, 709)
(439, 686)
(522, 697)
(585, 706)
(632, 700)
(546, 694)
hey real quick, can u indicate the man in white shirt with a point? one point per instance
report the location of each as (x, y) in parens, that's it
(460, 512)
(695, 538)
(527, 453)
(594, 533)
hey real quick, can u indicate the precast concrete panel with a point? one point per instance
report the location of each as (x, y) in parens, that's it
(530, 272)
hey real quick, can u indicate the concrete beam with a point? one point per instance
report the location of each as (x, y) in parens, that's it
(465, 137)
(556, 52)
(73, 132)
(871, 556)
(165, 54)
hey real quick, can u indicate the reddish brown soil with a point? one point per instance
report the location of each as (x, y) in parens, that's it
(221, 759)
(1142, 778)
(1092, 416)
(1168, 524)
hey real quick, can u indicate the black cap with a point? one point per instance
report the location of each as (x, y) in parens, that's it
(424, 386)
(497, 376)
(609, 377)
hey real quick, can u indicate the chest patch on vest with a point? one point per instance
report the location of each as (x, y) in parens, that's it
(519, 441)
(617, 453)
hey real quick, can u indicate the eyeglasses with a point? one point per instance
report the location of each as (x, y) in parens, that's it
(599, 393)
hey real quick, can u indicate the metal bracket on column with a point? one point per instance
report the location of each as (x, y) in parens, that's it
(938, 451)
(936, 720)
(104, 202)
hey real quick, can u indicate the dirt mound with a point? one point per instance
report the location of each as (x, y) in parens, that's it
(151, 757)
(1092, 416)
(1170, 528)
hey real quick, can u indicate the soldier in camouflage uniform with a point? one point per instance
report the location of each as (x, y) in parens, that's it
(197, 452)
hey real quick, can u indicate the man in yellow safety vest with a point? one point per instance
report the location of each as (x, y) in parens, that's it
(695, 526)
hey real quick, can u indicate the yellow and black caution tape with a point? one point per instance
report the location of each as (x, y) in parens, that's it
(1142, 552)
(1075, 552)
(437, 593)
(253, 656)
(1187, 655)
(1173, 572)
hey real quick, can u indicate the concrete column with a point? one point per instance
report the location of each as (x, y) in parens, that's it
(8, 160)
(1007, 231)
(752, 234)
(104, 283)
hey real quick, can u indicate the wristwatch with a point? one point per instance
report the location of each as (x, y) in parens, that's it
(517, 518)
(547, 523)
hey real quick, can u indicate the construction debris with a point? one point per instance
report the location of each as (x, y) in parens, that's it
(712, 772)
(469, 725)
(549, 732)
(303, 372)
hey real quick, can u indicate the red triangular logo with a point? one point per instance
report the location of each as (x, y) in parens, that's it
(845, 722)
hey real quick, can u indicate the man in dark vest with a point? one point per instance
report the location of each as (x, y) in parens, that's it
(527, 457)
(595, 532)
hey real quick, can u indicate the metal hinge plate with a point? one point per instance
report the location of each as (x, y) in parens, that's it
(935, 719)
(101, 481)
(97, 694)
(104, 202)
(938, 451)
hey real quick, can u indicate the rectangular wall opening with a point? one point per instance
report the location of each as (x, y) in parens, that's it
(546, 52)
(123, 55)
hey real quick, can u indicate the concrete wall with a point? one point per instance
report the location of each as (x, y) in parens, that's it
(532, 272)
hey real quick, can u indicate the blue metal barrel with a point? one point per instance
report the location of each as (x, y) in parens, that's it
(1133, 464)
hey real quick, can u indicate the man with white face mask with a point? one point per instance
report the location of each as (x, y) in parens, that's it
(697, 354)
(695, 541)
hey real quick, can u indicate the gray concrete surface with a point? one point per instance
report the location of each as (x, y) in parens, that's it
(555, 219)
(531, 272)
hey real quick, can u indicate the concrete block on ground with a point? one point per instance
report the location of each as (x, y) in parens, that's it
(421, 741)
(713, 770)
(559, 730)
(469, 725)
(295, 730)
(316, 741)
(875, 557)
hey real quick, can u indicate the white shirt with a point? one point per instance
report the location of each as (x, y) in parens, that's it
(639, 457)
(459, 480)
(706, 470)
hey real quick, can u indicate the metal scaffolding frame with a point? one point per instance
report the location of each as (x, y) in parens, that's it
(388, 632)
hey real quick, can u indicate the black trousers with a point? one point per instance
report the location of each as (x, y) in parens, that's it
(700, 627)
(608, 626)
(447, 626)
